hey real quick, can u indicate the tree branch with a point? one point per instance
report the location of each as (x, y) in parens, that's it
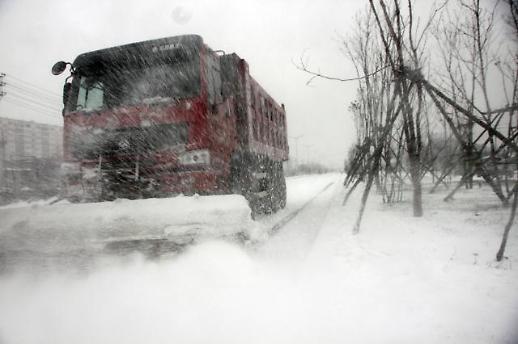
(302, 67)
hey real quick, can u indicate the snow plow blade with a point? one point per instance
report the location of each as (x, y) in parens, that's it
(150, 224)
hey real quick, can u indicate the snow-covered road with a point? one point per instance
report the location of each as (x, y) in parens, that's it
(401, 280)
(306, 213)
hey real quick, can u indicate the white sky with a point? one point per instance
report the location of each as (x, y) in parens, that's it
(269, 34)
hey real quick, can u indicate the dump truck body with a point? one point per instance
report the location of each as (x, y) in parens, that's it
(170, 116)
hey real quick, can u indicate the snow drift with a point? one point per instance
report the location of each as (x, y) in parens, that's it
(61, 227)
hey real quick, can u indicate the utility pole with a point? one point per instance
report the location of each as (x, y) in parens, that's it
(3, 140)
(2, 84)
(3, 143)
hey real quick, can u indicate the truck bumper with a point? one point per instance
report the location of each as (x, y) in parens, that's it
(89, 185)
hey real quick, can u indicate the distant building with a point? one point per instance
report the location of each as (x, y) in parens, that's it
(30, 154)
(24, 139)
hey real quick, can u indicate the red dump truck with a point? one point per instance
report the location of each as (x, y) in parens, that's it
(170, 116)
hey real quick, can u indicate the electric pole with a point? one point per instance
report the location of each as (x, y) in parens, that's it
(3, 141)
(2, 84)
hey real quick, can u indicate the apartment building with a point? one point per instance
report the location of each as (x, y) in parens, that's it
(24, 139)
(30, 154)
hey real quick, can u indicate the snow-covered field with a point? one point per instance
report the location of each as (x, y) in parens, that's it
(400, 280)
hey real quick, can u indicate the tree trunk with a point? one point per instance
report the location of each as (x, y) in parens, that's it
(365, 197)
(500, 254)
(415, 175)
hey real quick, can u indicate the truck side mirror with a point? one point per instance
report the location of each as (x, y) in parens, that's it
(59, 67)
(66, 91)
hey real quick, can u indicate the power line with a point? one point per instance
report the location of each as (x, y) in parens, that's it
(32, 104)
(9, 76)
(30, 107)
(32, 98)
(32, 92)
(32, 101)
(28, 96)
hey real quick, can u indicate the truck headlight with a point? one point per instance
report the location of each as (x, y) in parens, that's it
(195, 157)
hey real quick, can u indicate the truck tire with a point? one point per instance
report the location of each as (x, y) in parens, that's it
(242, 180)
(279, 187)
(264, 187)
(261, 182)
(275, 198)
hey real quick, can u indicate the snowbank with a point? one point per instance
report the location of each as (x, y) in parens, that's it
(24, 204)
(72, 226)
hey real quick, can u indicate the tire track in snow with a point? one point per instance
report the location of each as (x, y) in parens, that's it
(291, 238)
(276, 227)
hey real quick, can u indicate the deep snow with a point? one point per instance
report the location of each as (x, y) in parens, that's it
(401, 280)
(68, 228)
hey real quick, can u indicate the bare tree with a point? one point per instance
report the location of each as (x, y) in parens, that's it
(463, 102)
(392, 108)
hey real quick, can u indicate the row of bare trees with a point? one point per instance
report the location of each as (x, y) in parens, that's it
(435, 97)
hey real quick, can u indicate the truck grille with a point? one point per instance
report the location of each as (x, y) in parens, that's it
(128, 141)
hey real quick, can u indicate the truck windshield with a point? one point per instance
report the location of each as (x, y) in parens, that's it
(151, 84)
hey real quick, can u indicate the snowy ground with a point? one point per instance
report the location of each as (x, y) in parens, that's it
(401, 280)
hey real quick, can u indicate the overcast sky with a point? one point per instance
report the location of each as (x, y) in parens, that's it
(269, 34)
